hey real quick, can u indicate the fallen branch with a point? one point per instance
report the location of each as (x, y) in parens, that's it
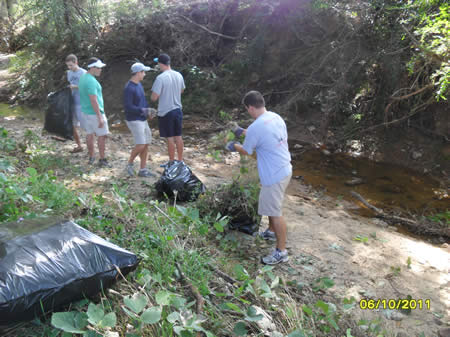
(208, 30)
(223, 275)
(415, 227)
(194, 290)
(360, 198)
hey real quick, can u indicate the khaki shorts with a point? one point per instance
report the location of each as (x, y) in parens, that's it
(91, 123)
(140, 131)
(271, 198)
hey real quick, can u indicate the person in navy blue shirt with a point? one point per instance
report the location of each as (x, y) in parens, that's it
(136, 114)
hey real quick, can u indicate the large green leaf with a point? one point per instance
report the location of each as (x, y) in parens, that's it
(163, 297)
(151, 316)
(109, 320)
(173, 317)
(72, 321)
(240, 272)
(240, 329)
(233, 307)
(137, 303)
(95, 313)
(252, 315)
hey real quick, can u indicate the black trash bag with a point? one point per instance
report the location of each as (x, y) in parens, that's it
(45, 266)
(179, 177)
(246, 225)
(58, 118)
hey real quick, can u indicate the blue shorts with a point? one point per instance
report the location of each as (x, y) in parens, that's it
(171, 124)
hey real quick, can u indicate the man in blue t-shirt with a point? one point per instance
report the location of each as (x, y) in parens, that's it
(267, 136)
(136, 114)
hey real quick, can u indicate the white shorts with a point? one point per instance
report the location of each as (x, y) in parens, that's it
(91, 122)
(271, 198)
(140, 131)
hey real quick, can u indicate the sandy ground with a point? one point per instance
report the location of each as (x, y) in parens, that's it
(321, 232)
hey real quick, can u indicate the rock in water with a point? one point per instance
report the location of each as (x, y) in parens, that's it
(354, 182)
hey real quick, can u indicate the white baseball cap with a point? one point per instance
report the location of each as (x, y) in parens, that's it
(137, 67)
(97, 64)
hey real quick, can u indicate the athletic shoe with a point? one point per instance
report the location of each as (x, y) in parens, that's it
(130, 170)
(277, 256)
(267, 235)
(91, 160)
(145, 173)
(104, 163)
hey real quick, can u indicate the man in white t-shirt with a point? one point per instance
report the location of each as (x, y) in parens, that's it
(267, 136)
(167, 90)
(73, 76)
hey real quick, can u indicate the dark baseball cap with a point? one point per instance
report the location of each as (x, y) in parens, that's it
(163, 58)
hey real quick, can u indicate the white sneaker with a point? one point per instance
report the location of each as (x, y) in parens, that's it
(130, 170)
(277, 256)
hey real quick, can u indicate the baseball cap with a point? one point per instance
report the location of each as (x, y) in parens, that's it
(97, 64)
(137, 67)
(163, 58)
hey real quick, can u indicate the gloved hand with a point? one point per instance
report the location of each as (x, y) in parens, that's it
(237, 130)
(149, 112)
(230, 146)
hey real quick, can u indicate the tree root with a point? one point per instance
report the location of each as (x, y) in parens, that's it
(194, 290)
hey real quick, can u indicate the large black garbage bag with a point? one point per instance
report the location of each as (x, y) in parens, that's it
(58, 118)
(44, 266)
(179, 177)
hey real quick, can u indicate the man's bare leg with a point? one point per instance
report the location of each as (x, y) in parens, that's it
(90, 144)
(180, 147)
(280, 228)
(144, 155)
(135, 152)
(171, 148)
(77, 139)
(101, 142)
(271, 228)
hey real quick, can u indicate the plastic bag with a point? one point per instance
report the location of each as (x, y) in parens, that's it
(58, 118)
(45, 265)
(179, 177)
(245, 225)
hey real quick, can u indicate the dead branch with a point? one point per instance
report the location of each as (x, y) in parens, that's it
(194, 290)
(412, 225)
(208, 30)
(223, 275)
(412, 94)
(360, 198)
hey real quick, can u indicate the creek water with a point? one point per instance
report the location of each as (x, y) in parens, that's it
(383, 185)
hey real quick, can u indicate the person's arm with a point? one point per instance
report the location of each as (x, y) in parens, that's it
(128, 102)
(156, 89)
(154, 96)
(239, 148)
(96, 108)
